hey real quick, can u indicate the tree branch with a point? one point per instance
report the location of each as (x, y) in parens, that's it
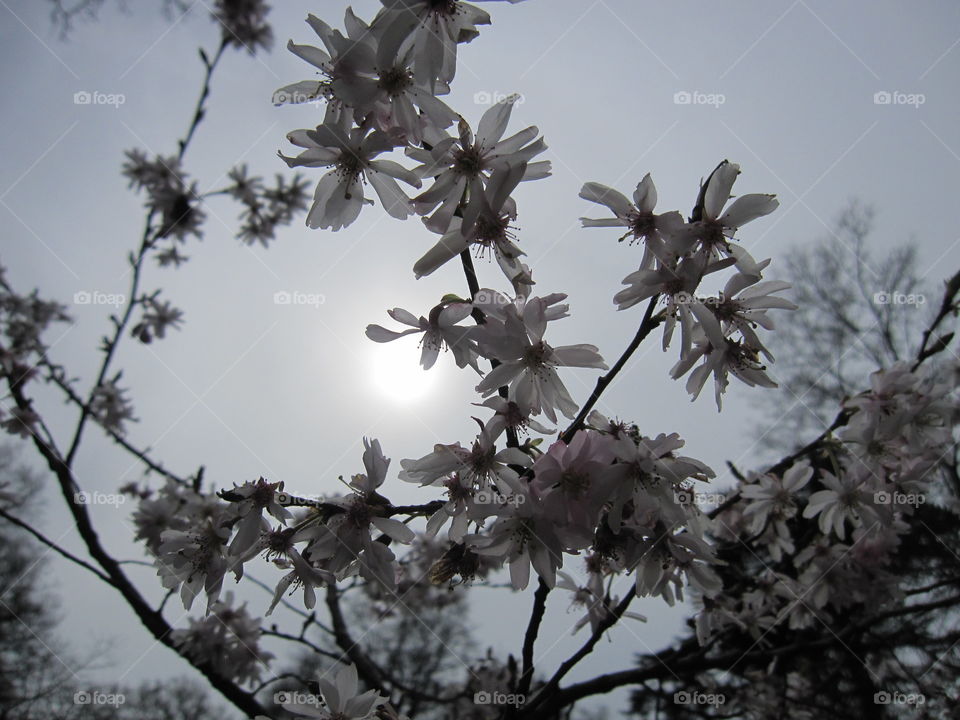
(646, 327)
(53, 546)
(366, 668)
(152, 619)
(530, 638)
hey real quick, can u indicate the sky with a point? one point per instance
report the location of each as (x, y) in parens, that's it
(819, 102)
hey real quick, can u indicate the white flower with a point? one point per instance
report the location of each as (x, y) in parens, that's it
(110, 406)
(508, 414)
(345, 540)
(594, 598)
(481, 466)
(303, 573)
(527, 363)
(638, 217)
(252, 499)
(773, 496)
(227, 639)
(721, 355)
(523, 536)
(715, 228)
(649, 475)
(244, 23)
(440, 330)
(675, 279)
(157, 317)
(744, 302)
(431, 31)
(340, 193)
(387, 94)
(490, 231)
(459, 509)
(463, 163)
(575, 481)
(194, 560)
(335, 63)
(342, 699)
(844, 499)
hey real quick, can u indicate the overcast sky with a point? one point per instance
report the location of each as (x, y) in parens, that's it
(818, 102)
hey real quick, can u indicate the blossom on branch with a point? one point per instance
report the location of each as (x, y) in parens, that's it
(528, 365)
(342, 699)
(439, 331)
(429, 30)
(462, 166)
(340, 193)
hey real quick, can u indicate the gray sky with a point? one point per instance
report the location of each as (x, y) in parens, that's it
(248, 388)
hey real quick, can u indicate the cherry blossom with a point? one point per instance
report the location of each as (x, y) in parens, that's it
(522, 536)
(345, 543)
(430, 31)
(490, 232)
(527, 363)
(342, 699)
(340, 194)
(656, 231)
(466, 162)
(716, 228)
(440, 330)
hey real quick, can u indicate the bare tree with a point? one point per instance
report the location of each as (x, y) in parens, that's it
(856, 313)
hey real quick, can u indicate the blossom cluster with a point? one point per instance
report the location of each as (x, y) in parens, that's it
(720, 331)
(603, 491)
(821, 530)
(226, 639)
(877, 471)
(23, 321)
(381, 83)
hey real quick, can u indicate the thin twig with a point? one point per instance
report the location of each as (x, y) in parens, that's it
(647, 325)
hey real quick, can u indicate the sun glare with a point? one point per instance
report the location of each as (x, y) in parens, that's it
(396, 372)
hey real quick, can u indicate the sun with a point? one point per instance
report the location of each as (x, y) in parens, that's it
(396, 373)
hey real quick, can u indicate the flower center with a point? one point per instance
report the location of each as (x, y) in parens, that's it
(468, 161)
(358, 514)
(262, 494)
(395, 81)
(279, 542)
(574, 484)
(349, 164)
(442, 7)
(535, 355)
(642, 224)
(711, 234)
